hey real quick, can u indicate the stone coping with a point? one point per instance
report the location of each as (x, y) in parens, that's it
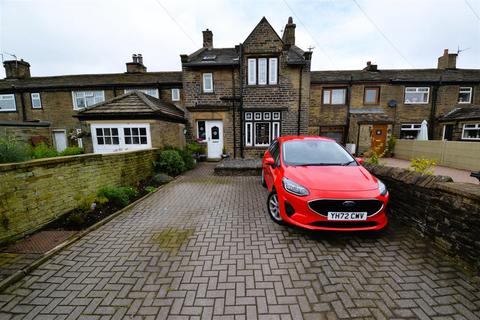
(239, 167)
(65, 159)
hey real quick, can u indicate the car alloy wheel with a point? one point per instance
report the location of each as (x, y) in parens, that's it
(264, 184)
(274, 207)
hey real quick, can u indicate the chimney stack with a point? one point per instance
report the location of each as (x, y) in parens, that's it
(16, 69)
(370, 67)
(136, 66)
(289, 33)
(207, 39)
(447, 61)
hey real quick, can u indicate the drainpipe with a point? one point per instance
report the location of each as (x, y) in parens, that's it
(241, 100)
(347, 122)
(299, 101)
(233, 115)
(433, 109)
(24, 110)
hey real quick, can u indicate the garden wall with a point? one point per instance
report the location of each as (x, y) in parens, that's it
(33, 193)
(446, 211)
(455, 154)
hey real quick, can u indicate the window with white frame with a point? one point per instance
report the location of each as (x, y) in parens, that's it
(36, 100)
(262, 71)
(416, 95)
(471, 131)
(7, 102)
(207, 82)
(175, 94)
(335, 96)
(107, 136)
(150, 91)
(135, 135)
(410, 131)
(83, 99)
(465, 95)
(261, 128)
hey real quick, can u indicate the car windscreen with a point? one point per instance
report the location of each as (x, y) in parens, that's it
(315, 153)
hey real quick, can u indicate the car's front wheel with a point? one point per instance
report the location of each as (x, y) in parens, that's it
(274, 207)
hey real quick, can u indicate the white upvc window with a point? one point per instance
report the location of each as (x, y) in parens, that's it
(273, 70)
(465, 95)
(175, 94)
(262, 71)
(410, 131)
(150, 91)
(261, 128)
(417, 95)
(83, 99)
(207, 82)
(252, 71)
(36, 100)
(110, 137)
(7, 103)
(471, 131)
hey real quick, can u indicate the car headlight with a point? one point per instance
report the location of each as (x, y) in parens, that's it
(382, 188)
(294, 188)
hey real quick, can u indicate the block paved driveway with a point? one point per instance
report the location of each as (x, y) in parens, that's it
(203, 247)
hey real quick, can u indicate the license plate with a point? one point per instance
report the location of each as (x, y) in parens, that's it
(350, 216)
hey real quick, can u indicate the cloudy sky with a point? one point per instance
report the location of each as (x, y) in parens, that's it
(98, 36)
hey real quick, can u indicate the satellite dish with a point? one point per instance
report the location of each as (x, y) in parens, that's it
(392, 103)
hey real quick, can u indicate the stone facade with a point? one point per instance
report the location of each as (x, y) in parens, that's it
(446, 211)
(36, 192)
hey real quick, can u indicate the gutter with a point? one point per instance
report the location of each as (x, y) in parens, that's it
(347, 121)
(241, 100)
(233, 115)
(433, 108)
(24, 110)
(299, 101)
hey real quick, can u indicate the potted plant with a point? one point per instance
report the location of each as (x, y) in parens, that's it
(225, 154)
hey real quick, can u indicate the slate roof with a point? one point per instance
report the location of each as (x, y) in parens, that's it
(370, 116)
(133, 104)
(295, 55)
(213, 57)
(90, 80)
(462, 113)
(397, 75)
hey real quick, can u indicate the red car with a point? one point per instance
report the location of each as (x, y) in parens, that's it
(316, 184)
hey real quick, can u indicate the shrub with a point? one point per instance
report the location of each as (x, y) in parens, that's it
(375, 155)
(422, 165)
(391, 145)
(170, 162)
(150, 189)
(187, 158)
(12, 150)
(160, 178)
(118, 196)
(196, 148)
(70, 151)
(43, 151)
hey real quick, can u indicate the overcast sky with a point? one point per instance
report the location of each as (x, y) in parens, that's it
(99, 36)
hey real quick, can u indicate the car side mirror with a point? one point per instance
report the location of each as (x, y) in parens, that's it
(269, 161)
(359, 160)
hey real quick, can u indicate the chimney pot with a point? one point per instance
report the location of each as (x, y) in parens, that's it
(447, 61)
(370, 67)
(136, 66)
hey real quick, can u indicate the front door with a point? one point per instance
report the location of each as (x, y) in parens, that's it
(379, 137)
(448, 132)
(214, 136)
(60, 138)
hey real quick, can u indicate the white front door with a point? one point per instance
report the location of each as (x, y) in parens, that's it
(60, 138)
(214, 136)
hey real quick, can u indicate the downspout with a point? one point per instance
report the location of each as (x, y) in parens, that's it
(433, 109)
(24, 110)
(233, 115)
(299, 101)
(242, 140)
(347, 122)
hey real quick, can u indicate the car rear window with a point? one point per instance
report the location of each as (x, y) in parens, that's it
(315, 153)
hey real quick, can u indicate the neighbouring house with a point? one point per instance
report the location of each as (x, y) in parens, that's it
(132, 121)
(239, 99)
(33, 107)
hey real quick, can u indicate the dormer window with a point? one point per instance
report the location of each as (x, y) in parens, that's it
(262, 71)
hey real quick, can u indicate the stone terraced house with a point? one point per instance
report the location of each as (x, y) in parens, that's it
(238, 99)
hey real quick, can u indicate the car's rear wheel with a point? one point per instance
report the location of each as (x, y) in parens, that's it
(264, 184)
(274, 207)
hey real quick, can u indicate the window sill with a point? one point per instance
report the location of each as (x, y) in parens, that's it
(333, 105)
(414, 103)
(8, 111)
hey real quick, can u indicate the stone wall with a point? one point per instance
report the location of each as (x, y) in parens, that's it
(446, 211)
(25, 133)
(36, 192)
